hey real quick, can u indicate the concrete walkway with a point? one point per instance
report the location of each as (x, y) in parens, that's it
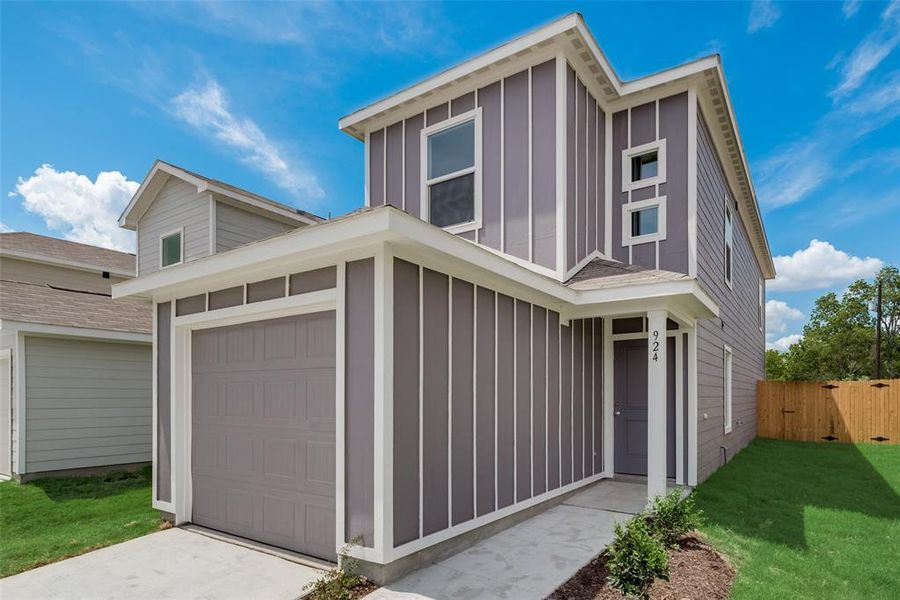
(531, 559)
(175, 563)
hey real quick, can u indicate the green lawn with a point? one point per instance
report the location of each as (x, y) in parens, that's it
(808, 520)
(50, 519)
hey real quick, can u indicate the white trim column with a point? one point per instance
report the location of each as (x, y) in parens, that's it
(656, 403)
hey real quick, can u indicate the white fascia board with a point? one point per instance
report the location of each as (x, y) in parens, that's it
(127, 220)
(505, 51)
(62, 262)
(76, 332)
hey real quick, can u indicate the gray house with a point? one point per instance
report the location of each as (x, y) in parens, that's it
(75, 364)
(558, 277)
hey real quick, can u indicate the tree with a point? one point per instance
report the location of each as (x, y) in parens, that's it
(839, 339)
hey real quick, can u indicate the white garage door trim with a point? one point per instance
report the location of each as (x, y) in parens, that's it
(182, 493)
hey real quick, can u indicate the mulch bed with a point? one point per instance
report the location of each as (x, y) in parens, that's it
(695, 571)
(363, 589)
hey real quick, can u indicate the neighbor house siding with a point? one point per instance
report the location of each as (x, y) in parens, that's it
(27, 271)
(177, 205)
(236, 227)
(663, 119)
(478, 417)
(518, 206)
(585, 172)
(737, 325)
(89, 403)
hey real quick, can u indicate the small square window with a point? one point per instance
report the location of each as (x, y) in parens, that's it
(644, 166)
(645, 222)
(170, 250)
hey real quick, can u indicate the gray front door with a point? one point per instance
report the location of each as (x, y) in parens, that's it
(263, 431)
(630, 407)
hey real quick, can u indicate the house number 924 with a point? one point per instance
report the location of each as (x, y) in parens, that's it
(654, 348)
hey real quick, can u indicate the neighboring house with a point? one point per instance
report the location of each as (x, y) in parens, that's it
(75, 363)
(558, 277)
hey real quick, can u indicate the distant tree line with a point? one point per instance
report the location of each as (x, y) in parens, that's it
(839, 340)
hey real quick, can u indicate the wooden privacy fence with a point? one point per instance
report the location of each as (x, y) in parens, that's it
(840, 411)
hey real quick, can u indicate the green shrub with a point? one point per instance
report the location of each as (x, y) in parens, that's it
(672, 516)
(636, 558)
(337, 583)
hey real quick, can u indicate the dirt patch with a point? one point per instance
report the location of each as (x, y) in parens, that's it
(696, 571)
(363, 589)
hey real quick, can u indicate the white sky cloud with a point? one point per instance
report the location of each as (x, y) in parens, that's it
(818, 266)
(80, 209)
(783, 343)
(871, 51)
(206, 109)
(763, 14)
(779, 315)
(4, 228)
(850, 8)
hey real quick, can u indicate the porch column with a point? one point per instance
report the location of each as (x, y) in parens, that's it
(656, 403)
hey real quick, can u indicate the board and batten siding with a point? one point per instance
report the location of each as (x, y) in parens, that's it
(663, 119)
(89, 403)
(177, 205)
(737, 325)
(236, 227)
(518, 207)
(495, 402)
(27, 271)
(163, 458)
(585, 172)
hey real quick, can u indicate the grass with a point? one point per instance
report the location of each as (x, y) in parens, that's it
(47, 520)
(808, 520)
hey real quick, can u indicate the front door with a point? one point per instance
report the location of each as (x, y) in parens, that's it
(630, 407)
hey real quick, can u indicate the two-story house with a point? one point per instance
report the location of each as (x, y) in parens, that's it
(558, 277)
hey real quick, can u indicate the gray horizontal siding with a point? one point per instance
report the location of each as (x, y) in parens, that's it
(178, 204)
(738, 323)
(236, 227)
(485, 354)
(88, 403)
(73, 279)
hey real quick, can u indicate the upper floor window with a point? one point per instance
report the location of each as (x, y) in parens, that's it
(644, 165)
(729, 241)
(171, 248)
(451, 192)
(644, 221)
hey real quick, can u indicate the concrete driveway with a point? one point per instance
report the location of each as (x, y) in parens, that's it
(175, 563)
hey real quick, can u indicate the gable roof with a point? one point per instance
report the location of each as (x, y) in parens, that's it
(42, 248)
(570, 36)
(602, 274)
(160, 173)
(52, 305)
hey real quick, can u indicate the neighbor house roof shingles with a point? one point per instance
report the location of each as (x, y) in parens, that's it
(53, 248)
(48, 305)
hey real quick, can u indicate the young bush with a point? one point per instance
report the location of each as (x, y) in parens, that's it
(672, 516)
(337, 583)
(636, 559)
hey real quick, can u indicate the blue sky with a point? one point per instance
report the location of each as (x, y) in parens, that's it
(91, 94)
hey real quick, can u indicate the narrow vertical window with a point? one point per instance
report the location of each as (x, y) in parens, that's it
(729, 237)
(450, 174)
(761, 316)
(726, 367)
(170, 249)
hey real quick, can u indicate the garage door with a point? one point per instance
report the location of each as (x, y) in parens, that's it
(263, 447)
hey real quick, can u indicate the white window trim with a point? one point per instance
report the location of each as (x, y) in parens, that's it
(472, 115)
(627, 209)
(728, 243)
(728, 384)
(761, 304)
(629, 153)
(180, 232)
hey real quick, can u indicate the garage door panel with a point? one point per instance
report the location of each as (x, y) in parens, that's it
(264, 431)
